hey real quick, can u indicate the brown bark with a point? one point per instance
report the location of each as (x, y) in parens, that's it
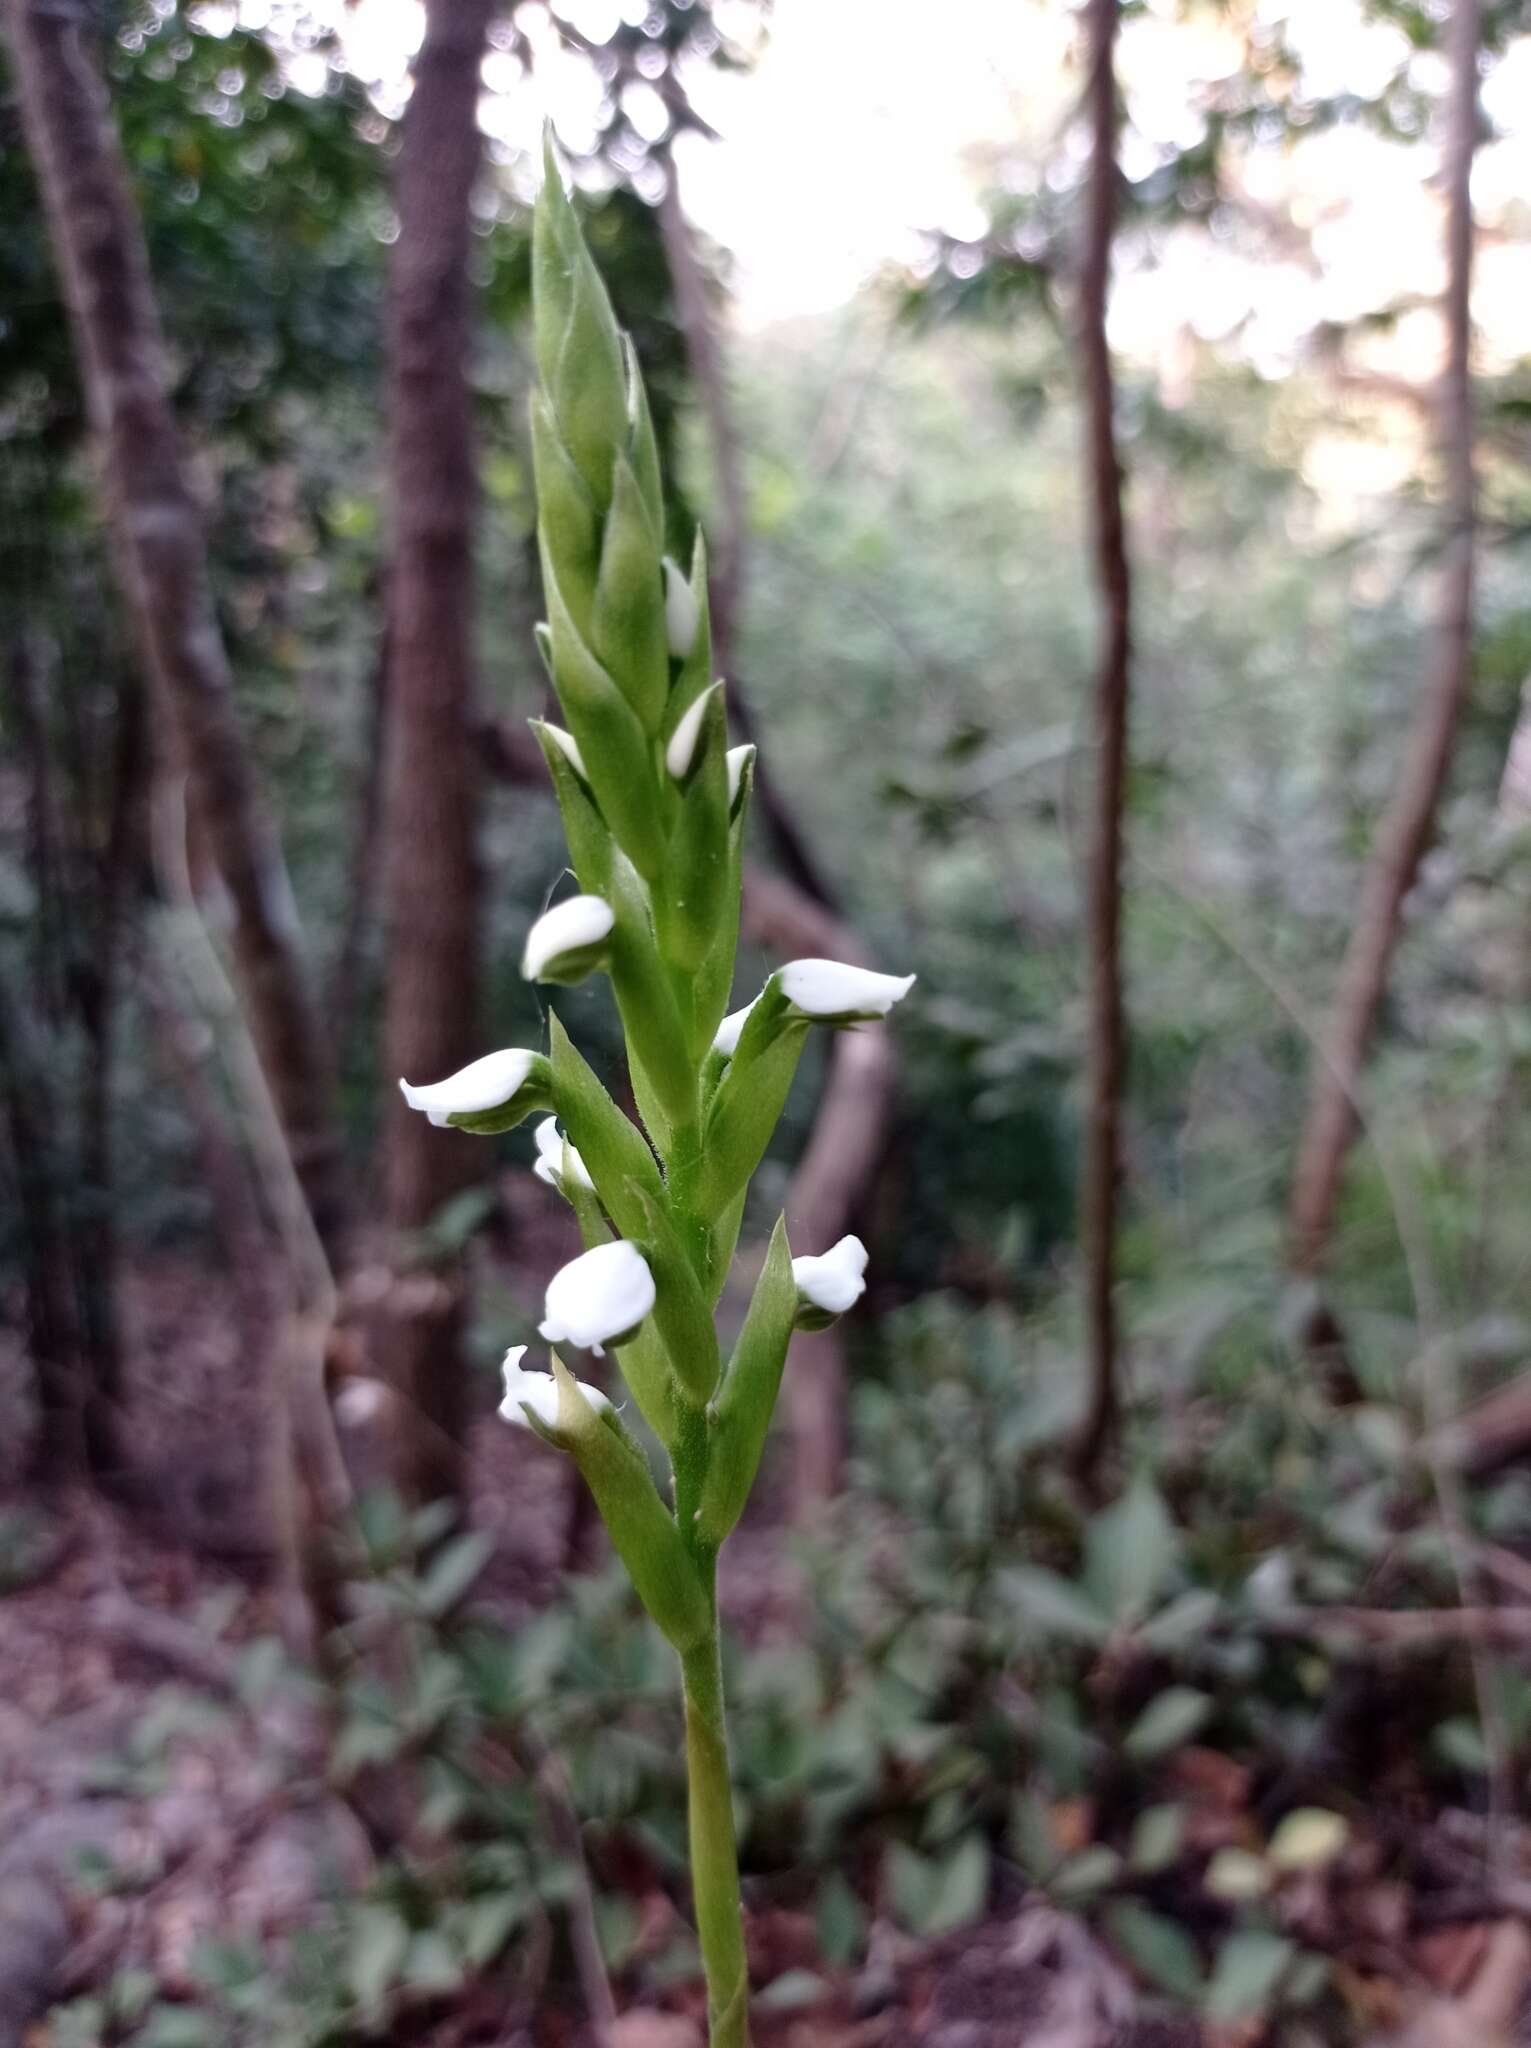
(1105, 1052)
(430, 782)
(1405, 829)
(156, 528)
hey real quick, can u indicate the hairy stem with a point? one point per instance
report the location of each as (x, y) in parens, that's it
(714, 1854)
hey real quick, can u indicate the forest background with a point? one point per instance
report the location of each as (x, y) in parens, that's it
(1111, 431)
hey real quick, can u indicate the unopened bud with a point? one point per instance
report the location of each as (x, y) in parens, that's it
(569, 941)
(681, 610)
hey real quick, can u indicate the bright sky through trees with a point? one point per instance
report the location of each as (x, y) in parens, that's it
(864, 121)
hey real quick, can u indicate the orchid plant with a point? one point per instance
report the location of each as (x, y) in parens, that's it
(654, 802)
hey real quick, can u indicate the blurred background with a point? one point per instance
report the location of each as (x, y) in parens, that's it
(1129, 1634)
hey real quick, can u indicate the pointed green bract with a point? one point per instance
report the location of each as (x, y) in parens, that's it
(615, 1155)
(655, 1036)
(691, 907)
(642, 1527)
(642, 448)
(627, 617)
(566, 517)
(579, 351)
(751, 1097)
(611, 739)
(748, 1393)
(695, 673)
(590, 849)
(682, 1311)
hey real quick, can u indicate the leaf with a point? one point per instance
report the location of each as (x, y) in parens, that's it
(1158, 1836)
(840, 1921)
(793, 1991)
(487, 1924)
(1053, 1605)
(430, 1964)
(1130, 1550)
(1247, 1975)
(452, 1571)
(1091, 1871)
(1161, 1952)
(1307, 1839)
(178, 2026)
(1033, 1837)
(936, 1895)
(378, 1945)
(1167, 1722)
(1236, 1875)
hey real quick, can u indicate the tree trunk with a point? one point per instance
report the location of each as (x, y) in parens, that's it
(430, 780)
(156, 529)
(730, 536)
(1105, 1052)
(1406, 826)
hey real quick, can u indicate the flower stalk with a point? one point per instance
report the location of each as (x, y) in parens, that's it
(654, 804)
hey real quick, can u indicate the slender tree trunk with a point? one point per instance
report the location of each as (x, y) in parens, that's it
(1406, 826)
(346, 977)
(156, 528)
(114, 868)
(54, 1338)
(1105, 1053)
(430, 782)
(729, 536)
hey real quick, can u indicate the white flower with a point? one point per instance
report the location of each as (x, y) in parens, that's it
(489, 1083)
(681, 611)
(599, 1298)
(835, 1280)
(833, 992)
(549, 1164)
(536, 1393)
(568, 941)
(678, 755)
(568, 746)
(738, 759)
(726, 1038)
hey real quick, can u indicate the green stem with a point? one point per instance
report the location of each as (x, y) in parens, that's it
(714, 1854)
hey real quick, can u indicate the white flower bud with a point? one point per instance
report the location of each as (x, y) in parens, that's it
(833, 993)
(568, 746)
(535, 1394)
(569, 941)
(681, 611)
(738, 759)
(490, 1083)
(726, 1038)
(678, 755)
(549, 1164)
(599, 1298)
(831, 1283)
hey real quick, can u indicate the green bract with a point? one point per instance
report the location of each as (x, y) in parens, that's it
(654, 805)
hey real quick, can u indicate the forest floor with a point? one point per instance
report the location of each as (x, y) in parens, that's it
(143, 1814)
(147, 1807)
